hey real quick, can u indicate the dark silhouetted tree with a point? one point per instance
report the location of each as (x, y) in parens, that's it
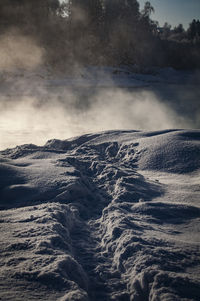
(179, 29)
(148, 10)
(25, 12)
(194, 30)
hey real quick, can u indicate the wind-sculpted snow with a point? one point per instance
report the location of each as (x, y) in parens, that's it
(106, 216)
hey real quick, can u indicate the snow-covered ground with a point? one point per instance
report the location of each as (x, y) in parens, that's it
(105, 216)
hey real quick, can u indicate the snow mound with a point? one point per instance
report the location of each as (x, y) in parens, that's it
(177, 152)
(105, 216)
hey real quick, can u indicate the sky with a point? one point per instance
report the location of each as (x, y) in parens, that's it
(174, 11)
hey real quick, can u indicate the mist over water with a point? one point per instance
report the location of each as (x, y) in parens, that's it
(19, 51)
(35, 119)
(33, 109)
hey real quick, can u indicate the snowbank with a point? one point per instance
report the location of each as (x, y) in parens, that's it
(107, 216)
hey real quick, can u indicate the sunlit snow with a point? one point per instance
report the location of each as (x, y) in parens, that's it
(105, 216)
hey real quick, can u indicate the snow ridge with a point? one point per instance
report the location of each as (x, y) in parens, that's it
(104, 216)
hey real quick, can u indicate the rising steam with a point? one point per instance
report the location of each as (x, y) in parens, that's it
(32, 120)
(18, 51)
(33, 111)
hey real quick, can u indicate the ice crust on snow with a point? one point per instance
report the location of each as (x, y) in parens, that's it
(106, 216)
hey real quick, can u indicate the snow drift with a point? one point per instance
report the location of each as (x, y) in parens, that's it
(107, 216)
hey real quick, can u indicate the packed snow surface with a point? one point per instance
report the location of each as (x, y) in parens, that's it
(106, 216)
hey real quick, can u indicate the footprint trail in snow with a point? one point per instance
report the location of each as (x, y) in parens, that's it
(106, 216)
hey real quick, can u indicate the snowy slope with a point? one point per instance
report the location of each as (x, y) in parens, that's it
(107, 216)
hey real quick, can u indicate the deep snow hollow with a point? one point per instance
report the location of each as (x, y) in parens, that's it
(107, 216)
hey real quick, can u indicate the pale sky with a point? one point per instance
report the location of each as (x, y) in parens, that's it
(174, 11)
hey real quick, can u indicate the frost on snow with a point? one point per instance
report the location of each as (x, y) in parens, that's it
(106, 216)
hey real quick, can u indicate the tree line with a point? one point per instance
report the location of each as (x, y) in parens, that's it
(102, 32)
